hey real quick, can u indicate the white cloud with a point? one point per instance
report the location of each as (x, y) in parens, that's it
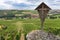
(57, 1)
(53, 4)
(4, 5)
(20, 1)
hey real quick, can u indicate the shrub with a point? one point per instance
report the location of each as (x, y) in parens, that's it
(53, 17)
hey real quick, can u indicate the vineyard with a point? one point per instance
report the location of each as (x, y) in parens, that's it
(12, 29)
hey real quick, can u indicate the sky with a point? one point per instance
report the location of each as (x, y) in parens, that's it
(27, 4)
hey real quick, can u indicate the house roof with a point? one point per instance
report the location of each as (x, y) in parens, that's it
(43, 4)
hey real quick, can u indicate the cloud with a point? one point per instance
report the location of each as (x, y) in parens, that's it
(4, 5)
(24, 4)
(54, 4)
(27, 4)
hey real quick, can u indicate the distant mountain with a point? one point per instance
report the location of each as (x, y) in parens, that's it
(54, 12)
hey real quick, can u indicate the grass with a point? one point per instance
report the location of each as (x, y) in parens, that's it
(31, 24)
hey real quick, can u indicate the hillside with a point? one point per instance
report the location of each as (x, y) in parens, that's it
(3, 12)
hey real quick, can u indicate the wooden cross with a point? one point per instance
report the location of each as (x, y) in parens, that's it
(42, 9)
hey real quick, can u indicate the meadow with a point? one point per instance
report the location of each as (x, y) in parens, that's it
(17, 26)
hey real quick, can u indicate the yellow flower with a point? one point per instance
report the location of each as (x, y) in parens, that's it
(0, 27)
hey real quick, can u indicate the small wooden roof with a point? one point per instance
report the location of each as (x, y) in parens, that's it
(43, 5)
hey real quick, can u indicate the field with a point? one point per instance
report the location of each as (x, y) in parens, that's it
(17, 26)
